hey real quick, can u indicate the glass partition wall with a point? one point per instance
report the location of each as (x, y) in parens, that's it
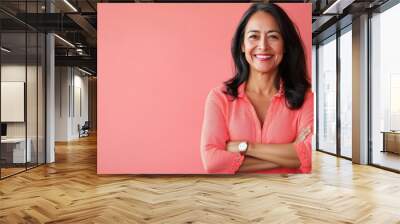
(13, 91)
(334, 94)
(22, 88)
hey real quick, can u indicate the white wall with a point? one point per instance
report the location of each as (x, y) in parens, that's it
(33, 127)
(79, 117)
(17, 73)
(62, 80)
(71, 93)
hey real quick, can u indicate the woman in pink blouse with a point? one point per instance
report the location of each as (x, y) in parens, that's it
(261, 120)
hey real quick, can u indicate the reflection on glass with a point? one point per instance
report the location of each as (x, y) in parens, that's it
(327, 96)
(385, 86)
(14, 153)
(22, 90)
(346, 94)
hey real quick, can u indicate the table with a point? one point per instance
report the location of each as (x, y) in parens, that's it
(15, 148)
(391, 141)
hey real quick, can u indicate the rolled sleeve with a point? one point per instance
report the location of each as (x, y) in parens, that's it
(303, 150)
(214, 136)
(306, 119)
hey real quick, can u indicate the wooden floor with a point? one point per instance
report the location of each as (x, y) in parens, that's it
(69, 191)
(5, 172)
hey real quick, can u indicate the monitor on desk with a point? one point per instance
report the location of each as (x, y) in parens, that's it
(3, 130)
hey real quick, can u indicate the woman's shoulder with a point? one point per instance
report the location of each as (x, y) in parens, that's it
(308, 99)
(309, 95)
(218, 93)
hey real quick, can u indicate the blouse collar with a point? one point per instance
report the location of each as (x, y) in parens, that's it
(241, 90)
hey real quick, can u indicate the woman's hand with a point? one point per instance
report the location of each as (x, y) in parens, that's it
(303, 135)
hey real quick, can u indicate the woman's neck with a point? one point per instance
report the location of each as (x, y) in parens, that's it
(262, 83)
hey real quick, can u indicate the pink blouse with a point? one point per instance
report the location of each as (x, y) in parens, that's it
(226, 120)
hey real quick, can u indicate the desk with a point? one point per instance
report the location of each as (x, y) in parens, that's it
(391, 141)
(15, 148)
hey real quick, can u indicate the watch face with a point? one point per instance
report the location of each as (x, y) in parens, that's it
(242, 146)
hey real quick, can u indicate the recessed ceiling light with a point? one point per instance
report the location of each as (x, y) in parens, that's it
(64, 40)
(337, 7)
(84, 71)
(5, 50)
(70, 5)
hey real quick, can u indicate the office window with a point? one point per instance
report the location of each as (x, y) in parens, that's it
(346, 92)
(327, 96)
(385, 88)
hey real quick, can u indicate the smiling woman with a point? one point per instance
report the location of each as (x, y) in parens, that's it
(262, 44)
(261, 119)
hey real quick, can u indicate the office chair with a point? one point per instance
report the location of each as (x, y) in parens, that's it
(84, 130)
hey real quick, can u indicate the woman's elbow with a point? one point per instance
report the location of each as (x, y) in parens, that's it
(210, 168)
(213, 167)
(304, 166)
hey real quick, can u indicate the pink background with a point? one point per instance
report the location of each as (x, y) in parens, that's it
(156, 65)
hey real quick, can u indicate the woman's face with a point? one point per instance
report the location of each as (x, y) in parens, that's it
(263, 44)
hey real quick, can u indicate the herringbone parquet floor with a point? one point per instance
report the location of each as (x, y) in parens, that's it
(69, 191)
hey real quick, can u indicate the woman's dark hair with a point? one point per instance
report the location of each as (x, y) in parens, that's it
(292, 69)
